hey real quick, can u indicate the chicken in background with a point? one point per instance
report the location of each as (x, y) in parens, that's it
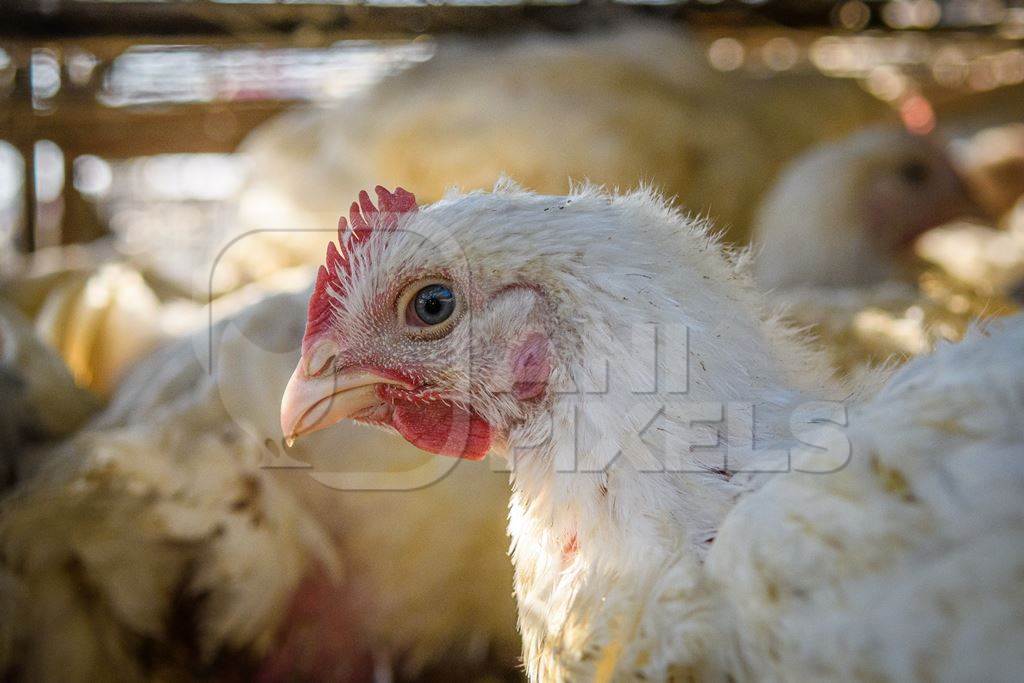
(176, 537)
(989, 259)
(146, 552)
(101, 314)
(100, 321)
(541, 110)
(39, 400)
(836, 239)
(846, 213)
(94, 309)
(636, 104)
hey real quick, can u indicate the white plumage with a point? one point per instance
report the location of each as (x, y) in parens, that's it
(131, 546)
(902, 565)
(95, 309)
(844, 213)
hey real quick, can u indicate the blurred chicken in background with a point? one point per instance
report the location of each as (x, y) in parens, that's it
(538, 108)
(845, 213)
(849, 241)
(95, 309)
(39, 400)
(100, 320)
(174, 538)
(638, 104)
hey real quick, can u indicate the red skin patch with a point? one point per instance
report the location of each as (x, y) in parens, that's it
(428, 422)
(569, 549)
(442, 428)
(531, 367)
(318, 640)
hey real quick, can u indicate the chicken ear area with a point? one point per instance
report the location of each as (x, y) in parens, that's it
(443, 429)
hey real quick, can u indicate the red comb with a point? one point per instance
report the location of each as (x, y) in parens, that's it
(364, 219)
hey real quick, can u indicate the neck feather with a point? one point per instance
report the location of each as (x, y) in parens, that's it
(655, 429)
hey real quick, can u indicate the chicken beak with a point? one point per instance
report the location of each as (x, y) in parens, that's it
(971, 204)
(975, 211)
(970, 207)
(313, 403)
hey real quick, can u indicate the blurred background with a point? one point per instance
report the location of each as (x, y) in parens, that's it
(123, 118)
(140, 129)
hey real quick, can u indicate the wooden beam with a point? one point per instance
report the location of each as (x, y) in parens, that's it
(34, 19)
(25, 18)
(122, 133)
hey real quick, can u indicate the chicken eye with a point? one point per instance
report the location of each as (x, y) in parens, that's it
(914, 172)
(431, 305)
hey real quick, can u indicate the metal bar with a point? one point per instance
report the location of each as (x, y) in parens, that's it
(19, 121)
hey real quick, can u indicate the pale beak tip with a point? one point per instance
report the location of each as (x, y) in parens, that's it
(313, 403)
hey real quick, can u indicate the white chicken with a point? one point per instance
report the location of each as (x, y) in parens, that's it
(634, 104)
(692, 498)
(95, 309)
(835, 239)
(39, 400)
(845, 212)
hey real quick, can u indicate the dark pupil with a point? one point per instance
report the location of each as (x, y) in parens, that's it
(914, 172)
(434, 304)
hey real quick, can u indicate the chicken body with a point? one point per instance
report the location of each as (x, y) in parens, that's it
(95, 309)
(39, 400)
(175, 538)
(716, 509)
(901, 564)
(634, 105)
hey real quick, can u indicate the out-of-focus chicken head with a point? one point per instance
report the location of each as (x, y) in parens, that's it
(910, 186)
(843, 213)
